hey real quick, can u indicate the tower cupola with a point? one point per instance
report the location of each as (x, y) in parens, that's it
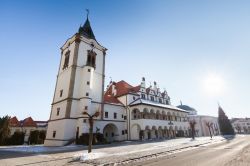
(86, 30)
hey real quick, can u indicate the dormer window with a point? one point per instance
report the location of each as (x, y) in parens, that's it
(152, 98)
(143, 96)
(160, 100)
(91, 58)
(66, 60)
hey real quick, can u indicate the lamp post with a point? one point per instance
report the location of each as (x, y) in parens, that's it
(91, 122)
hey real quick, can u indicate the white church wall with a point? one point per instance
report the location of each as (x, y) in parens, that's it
(61, 106)
(68, 132)
(62, 84)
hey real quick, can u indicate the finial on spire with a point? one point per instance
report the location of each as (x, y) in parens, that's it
(218, 103)
(110, 80)
(87, 10)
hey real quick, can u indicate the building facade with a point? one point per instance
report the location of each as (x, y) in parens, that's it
(241, 125)
(204, 123)
(126, 112)
(26, 126)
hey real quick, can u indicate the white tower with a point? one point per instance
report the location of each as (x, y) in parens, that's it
(79, 87)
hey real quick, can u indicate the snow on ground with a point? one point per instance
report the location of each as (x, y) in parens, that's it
(115, 149)
(88, 156)
(37, 148)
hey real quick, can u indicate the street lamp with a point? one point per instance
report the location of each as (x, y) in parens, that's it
(91, 122)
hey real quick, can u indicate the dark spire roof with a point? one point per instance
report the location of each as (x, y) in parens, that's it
(186, 107)
(86, 30)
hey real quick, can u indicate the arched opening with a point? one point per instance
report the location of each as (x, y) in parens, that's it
(166, 132)
(160, 132)
(91, 58)
(164, 117)
(152, 114)
(158, 115)
(169, 116)
(171, 132)
(145, 114)
(154, 132)
(147, 133)
(135, 114)
(110, 132)
(136, 132)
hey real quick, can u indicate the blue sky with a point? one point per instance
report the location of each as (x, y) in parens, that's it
(178, 44)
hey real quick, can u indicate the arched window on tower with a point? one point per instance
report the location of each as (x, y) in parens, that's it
(66, 60)
(91, 58)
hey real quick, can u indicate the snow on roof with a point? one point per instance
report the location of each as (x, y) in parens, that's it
(148, 102)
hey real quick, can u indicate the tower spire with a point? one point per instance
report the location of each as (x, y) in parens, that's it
(86, 29)
(87, 10)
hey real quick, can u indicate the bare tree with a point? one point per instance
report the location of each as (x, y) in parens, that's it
(192, 124)
(91, 122)
(209, 125)
(238, 128)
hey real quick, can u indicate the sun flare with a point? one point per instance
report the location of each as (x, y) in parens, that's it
(213, 84)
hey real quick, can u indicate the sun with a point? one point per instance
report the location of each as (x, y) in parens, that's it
(213, 84)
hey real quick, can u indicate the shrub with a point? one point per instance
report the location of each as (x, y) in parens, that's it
(37, 137)
(98, 138)
(16, 139)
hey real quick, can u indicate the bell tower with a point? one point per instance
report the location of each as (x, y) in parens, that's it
(79, 86)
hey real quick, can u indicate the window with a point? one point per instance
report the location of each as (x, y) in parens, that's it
(91, 58)
(86, 107)
(126, 131)
(152, 98)
(160, 100)
(122, 116)
(143, 96)
(84, 120)
(58, 111)
(134, 98)
(61, 93)
(89, 70)
(66, 60)
(87, 94)
(115, 115)
(122, 132)
(106, 114)
(125, 117)
(54, 134)
(87, 82)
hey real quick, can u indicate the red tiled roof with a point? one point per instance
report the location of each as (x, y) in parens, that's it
(29, 122)
(122, 88)
(111, 99)
(14, 122)
(136, 88)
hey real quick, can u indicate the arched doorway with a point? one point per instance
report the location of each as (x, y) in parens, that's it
(135, 132)
(110, 132)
